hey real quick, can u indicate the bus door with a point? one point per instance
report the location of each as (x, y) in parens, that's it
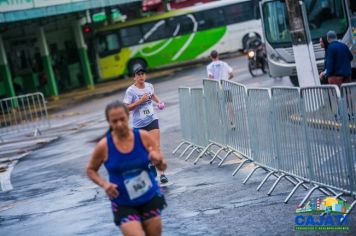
(108, 46)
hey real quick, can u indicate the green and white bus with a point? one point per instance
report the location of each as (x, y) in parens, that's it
(323, 15)
(175, 37)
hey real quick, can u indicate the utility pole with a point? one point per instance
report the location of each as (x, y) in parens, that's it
(302, 45)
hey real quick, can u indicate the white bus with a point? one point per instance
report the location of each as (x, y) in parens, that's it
(175, 37)
(323, 15)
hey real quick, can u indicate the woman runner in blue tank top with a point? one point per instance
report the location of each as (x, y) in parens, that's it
(135, 196)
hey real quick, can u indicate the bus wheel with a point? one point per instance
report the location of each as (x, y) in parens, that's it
(294, 80)
(134, 64)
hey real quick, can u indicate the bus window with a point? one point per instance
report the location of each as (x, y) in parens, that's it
(108, 43)
(154, 31)
(185, 23)
(210, 19)
(131, 36)
(239, 12)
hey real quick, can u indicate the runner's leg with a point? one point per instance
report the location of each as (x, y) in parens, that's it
(153, 226)
(155, 133)
(132, 228)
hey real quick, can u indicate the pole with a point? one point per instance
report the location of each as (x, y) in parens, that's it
(302, 45)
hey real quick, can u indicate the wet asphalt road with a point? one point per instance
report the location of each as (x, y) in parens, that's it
(53, 196)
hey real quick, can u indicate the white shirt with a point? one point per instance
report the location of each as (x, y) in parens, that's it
(219, 70)
(143, 114)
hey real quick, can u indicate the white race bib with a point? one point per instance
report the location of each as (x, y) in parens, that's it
(137, 185)
(146, 111)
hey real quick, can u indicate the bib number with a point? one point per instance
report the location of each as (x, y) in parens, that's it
(138, 185)
(146, 111)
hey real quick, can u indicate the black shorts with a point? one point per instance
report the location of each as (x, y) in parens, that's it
(152, 208)
(228, 96)
(153, 125)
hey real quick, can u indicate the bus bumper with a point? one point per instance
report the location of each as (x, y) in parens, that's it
(280, 68)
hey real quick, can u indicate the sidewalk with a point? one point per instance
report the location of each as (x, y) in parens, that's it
(106, 88)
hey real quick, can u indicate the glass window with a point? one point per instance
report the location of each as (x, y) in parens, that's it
(185, 24)
(239, 12)
(154, 31)
(108, 43)
(131, 36)
(323, 15)
(210, 19)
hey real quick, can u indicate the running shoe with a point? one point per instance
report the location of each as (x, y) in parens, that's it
(163, 179)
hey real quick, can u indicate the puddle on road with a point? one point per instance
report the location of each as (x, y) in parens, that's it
(211, 211)
(187, 214)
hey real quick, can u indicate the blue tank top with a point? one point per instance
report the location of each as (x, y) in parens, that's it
(130, 171)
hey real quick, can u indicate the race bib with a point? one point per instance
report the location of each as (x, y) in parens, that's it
(146, 111)
(137, 185)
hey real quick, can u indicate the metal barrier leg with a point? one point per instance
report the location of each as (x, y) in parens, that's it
(348, 211)
(186, 159)
(36, 132)
(176, 149)
(264, 180)
(293, 191)
(275, 184)
(239, 167)
(203, 152)
(250, 174)
(216, 155)
(186, 149)
(289, 179)
(308, 195)
(224, 158)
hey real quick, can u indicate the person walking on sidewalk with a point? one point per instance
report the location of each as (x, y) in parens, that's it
(338, 61)
(135, 196)
(139, 99)
(220, 70)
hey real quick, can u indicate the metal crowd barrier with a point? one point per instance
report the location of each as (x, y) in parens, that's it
(307, 136)
(23, 114)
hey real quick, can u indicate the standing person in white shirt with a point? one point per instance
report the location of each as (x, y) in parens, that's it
(220, 70)
(139, 99)
(217, 69)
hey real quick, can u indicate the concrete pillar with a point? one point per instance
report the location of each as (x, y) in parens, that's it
(5, 71)
(47, 64)
(83, 54)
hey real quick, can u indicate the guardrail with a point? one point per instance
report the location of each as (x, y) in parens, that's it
(23, 114)
(306, 136)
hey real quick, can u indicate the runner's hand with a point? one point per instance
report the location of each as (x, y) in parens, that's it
(158, 161)
(144, 98)
(111, 190)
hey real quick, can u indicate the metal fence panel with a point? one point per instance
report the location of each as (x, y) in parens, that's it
(324, 130)
(238, 132)
(185, 118)
(197, 113)
(215, 116)
(348, 92)
(23, 113)
(260, 119)
(291, 139)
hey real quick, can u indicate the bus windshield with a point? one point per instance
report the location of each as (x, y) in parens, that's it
(323, 15)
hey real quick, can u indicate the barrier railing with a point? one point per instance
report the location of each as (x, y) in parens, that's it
(23, 114)
(306, 136)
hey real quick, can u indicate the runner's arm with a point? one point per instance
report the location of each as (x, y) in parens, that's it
(155, 154)
(98, 157)
(155, 98)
